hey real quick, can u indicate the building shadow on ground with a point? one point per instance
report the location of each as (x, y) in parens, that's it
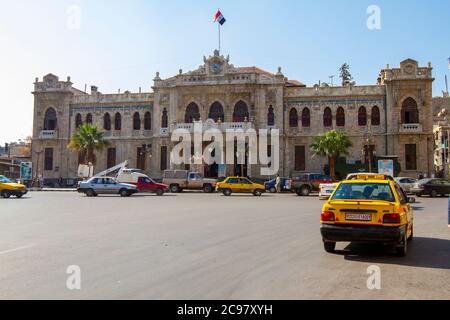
(422, 253)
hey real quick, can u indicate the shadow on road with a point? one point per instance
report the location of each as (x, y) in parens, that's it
(422, 253)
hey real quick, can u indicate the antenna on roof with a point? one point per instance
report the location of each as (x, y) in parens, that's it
(331, 80)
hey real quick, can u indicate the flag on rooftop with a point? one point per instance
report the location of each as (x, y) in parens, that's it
(219, 18)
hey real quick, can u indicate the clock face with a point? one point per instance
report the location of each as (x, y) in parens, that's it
(216, 67)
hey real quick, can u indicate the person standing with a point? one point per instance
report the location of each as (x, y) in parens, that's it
(278, 184)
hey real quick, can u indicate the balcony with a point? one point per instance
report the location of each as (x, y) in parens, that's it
(410, 128)
(48, 134)
(223, 126)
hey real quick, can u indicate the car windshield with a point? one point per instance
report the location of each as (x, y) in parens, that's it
(4, 180)
(364, 191)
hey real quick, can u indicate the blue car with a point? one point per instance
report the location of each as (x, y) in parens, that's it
(286, 184)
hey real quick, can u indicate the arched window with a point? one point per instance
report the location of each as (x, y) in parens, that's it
(327, 118)
(136, 121)
(216, 112)
(306, 118)
(164, 119)
(340, 117)
(107, 122)
(148, 121)
(78, 121)
(375, 116)
(270, 117)
(293, 118)
(362, 117)
(118, 121)
(192, 113)
(410, 112)
(240, 112)
(89, 118)
(50, 119)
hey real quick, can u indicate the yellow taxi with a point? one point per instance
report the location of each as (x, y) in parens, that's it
(9, 188)
(368, 208)
(239, 185)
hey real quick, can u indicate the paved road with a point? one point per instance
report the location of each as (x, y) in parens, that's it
(196, 246)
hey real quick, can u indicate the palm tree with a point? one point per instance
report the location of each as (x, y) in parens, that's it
(87, 140)
(331, 145)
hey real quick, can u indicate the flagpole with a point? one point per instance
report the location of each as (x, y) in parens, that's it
(219, 31)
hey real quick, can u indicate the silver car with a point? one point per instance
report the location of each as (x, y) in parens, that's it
(406, 183)
(105, 185)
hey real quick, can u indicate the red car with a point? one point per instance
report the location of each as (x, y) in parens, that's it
(147, 185)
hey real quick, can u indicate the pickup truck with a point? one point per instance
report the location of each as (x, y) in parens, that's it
(308, 183)
(179, 180)
(143, 182)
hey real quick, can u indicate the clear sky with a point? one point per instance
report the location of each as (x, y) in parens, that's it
(121, 44)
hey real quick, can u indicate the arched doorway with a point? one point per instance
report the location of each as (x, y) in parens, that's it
(50, 119)
(410, 111)
(192, 113)
(240, 113)
(216, 112)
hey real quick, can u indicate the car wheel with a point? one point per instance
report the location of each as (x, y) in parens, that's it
(411, 237)
(227, 192)
(329, 247)
(433, 193)
(402, 248)
(304, 191)
(19, 196)
(257, 193)
(6, 194)
(273, 190)
(207, 188)
(175, 188)
(90, 193)
(159, 192)
(124, 193)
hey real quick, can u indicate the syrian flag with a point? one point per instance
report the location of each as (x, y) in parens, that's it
(219, 18)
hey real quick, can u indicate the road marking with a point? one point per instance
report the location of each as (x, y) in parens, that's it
(17, 249)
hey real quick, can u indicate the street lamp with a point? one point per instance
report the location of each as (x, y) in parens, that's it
(367, 148)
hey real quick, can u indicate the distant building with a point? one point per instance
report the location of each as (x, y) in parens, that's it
(441, 118)
(396, 113)
(11, 156)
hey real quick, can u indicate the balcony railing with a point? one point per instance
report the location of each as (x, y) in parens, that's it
(48, 134)
(222, 126)
(411, 128)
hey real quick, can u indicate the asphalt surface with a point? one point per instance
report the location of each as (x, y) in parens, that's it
(206, 246)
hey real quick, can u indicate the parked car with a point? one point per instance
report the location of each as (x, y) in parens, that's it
(406, 183)
(307, 183)
(431, 187)
(285, 185)
(240, 185)
(8, 188)
(368, 209)
(326, 190)
(178, 180)
(106, 185)
(143, 182)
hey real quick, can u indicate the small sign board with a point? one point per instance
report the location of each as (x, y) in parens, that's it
(26, 171)
(386, 167)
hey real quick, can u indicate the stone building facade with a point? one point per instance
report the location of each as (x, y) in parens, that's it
(393, 117)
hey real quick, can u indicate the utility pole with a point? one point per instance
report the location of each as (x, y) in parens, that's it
(36, 176)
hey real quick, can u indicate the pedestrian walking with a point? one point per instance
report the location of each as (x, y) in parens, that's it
(41, 182)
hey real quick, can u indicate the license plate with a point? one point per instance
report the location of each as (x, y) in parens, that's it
(358, 217)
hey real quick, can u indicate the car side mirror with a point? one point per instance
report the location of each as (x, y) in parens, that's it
(411, 200)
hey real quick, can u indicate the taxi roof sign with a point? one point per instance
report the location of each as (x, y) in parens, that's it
(373, 177)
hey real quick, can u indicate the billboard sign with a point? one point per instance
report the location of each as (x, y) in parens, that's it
(386, 167)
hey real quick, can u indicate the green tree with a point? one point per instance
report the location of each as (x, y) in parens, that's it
(87, 140)
(345, 75)
(331, 145)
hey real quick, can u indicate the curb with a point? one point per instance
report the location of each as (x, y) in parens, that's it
(51, 190)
